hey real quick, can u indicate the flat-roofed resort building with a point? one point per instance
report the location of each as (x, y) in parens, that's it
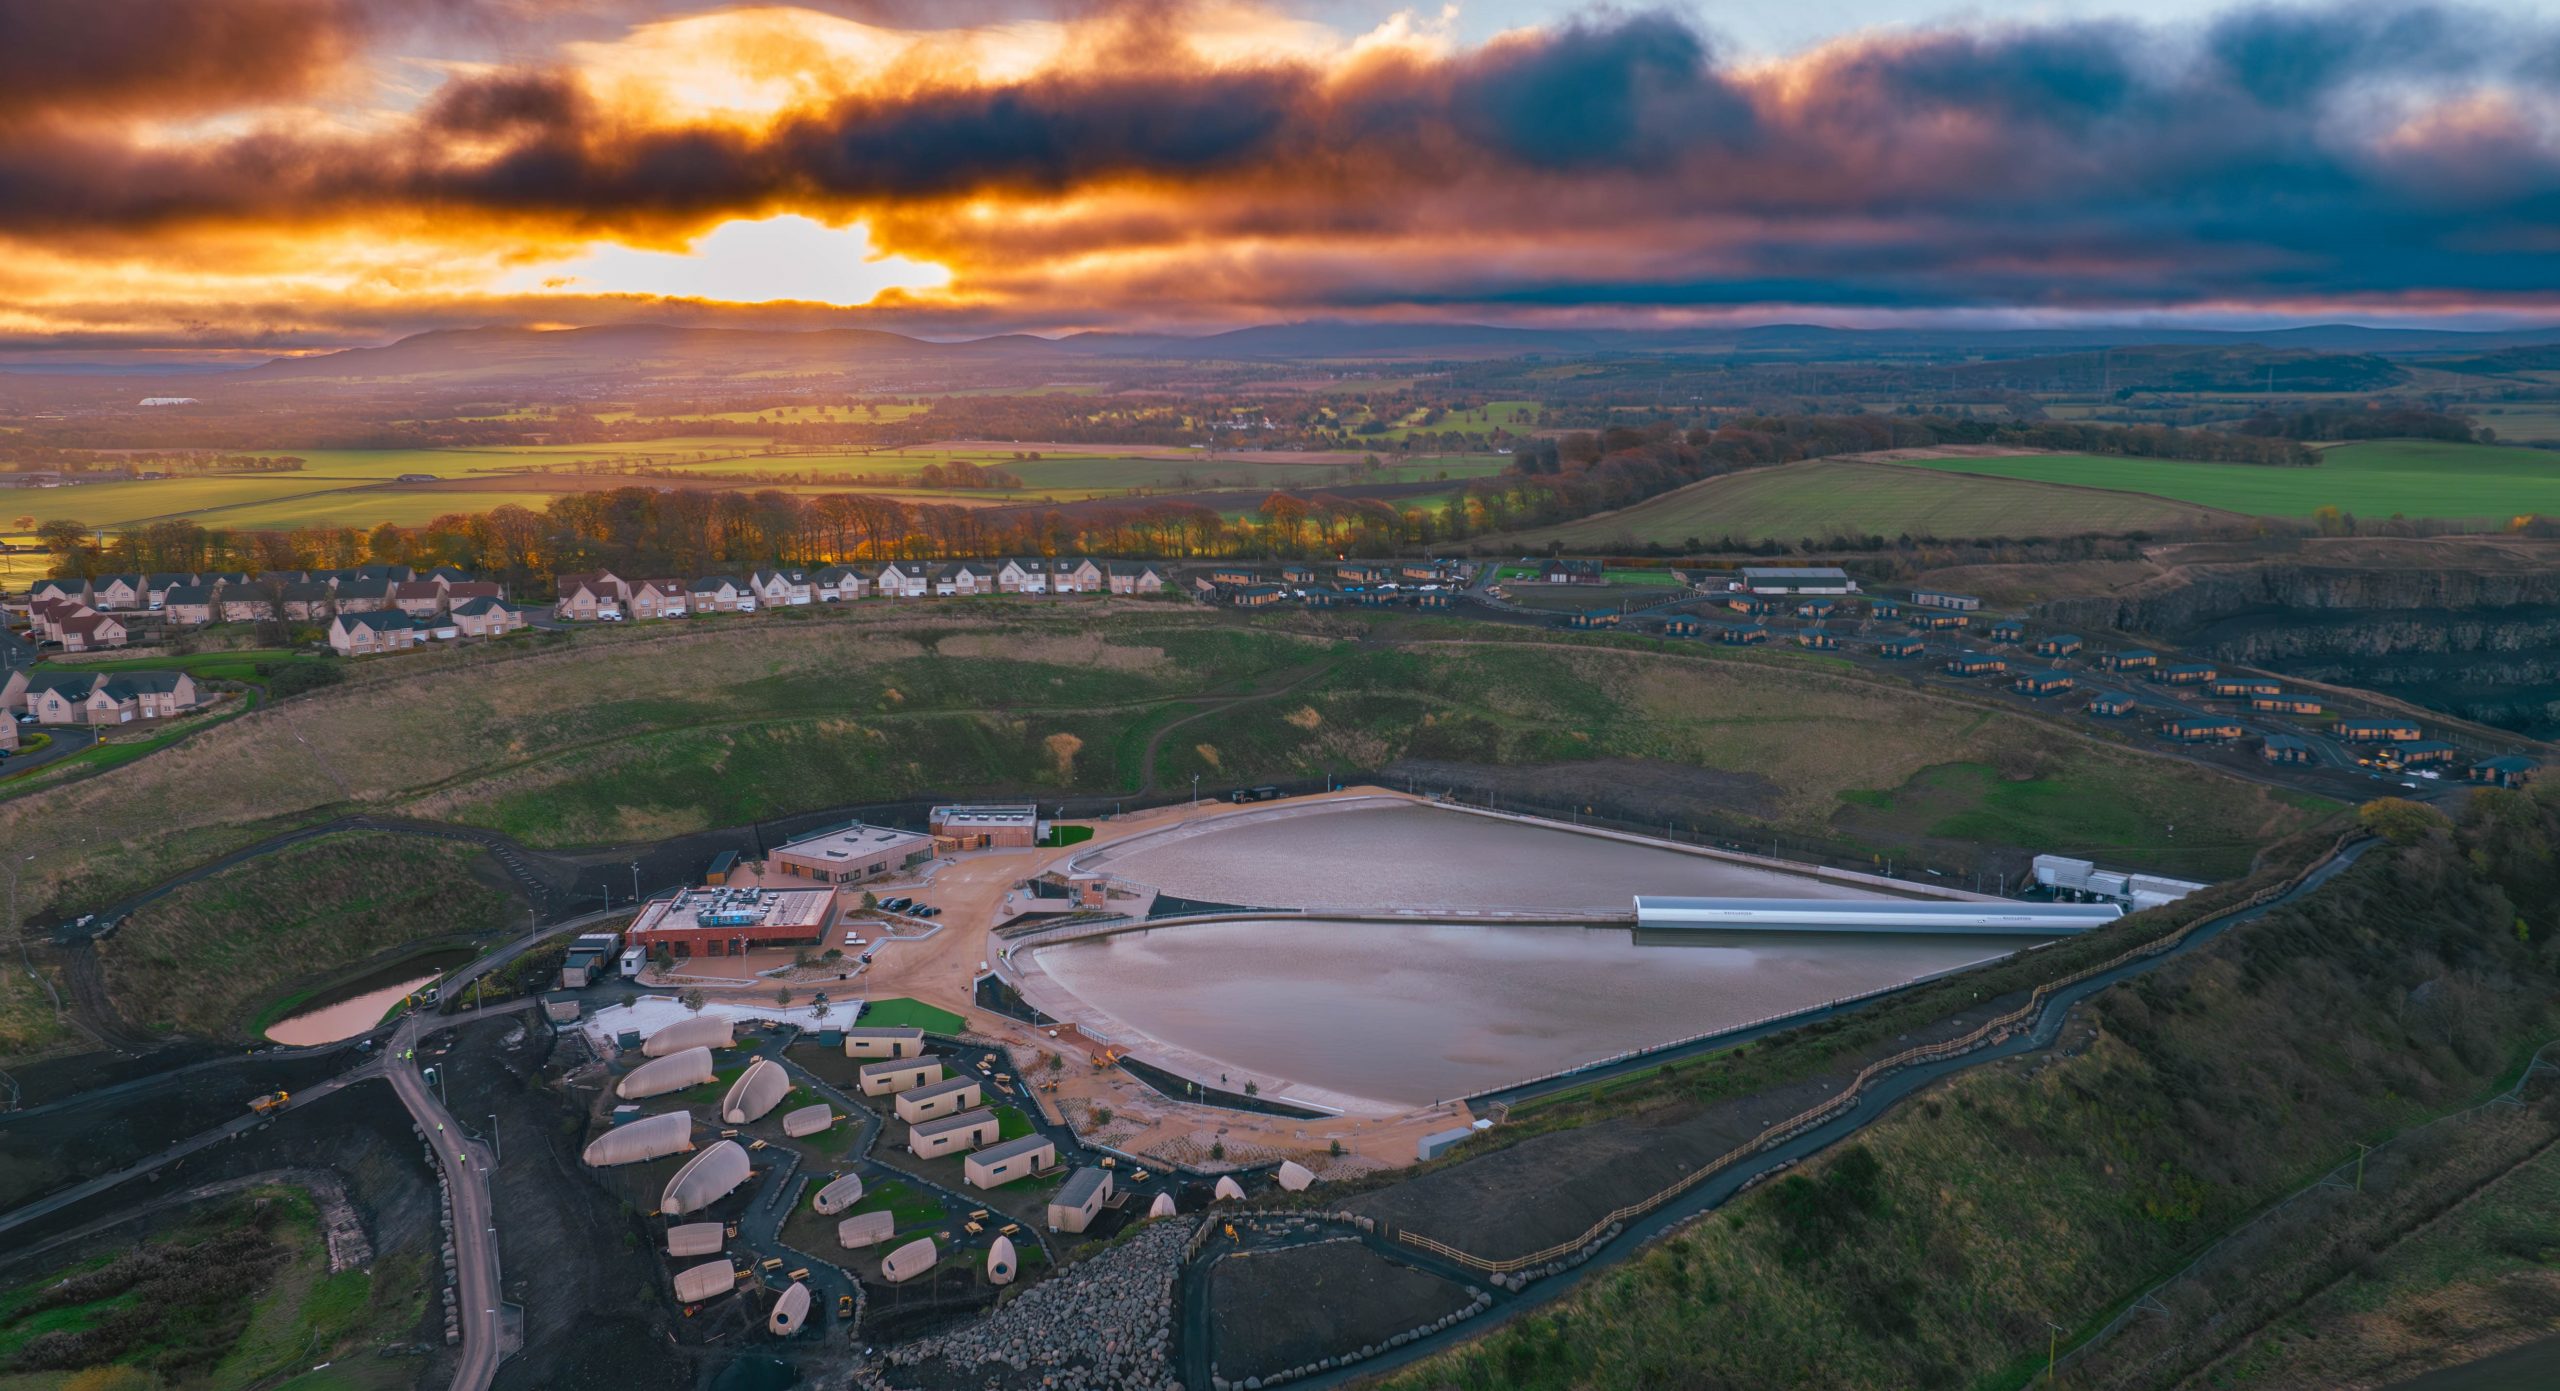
(1079, 1200)
(1006, 826)
(898, 1074)
(729, 921)
(997, 1165)
(883, 1043)
(850, 854)
(938, 1099)
(950, 1134)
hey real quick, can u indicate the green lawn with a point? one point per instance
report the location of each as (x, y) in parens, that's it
(1823, 498)
(899, 1012)
(2128, 814)
(2383, 478)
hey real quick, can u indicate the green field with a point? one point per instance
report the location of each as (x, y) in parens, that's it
(899, 1012)
(2385, 478)
(1823, 498)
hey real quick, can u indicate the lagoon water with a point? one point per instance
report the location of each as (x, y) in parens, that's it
(1412, 1013)
(1387, 1016)
(1373, 856)
(346, 1010)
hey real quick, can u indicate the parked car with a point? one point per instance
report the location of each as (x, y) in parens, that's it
(896, 905)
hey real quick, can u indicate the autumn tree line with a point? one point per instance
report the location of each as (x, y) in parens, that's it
(687, 532)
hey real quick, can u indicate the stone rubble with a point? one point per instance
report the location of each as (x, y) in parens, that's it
(1105, 1325)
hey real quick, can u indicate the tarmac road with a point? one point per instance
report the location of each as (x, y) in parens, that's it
(466, 1163)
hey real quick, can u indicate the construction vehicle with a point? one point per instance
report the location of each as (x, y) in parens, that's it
(1106, 1057)
(1231, 1233)
(269, 1104)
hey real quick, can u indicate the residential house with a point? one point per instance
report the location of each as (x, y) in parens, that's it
(719, 594)
(1885, 609)
(307, 599)
(1419, 572)
(1573, 572)
(840, 584)
(1022, 577)
(245, 603)
(1135, 577)
(588, 597)
(364, 634)
(97, 697)
(1815, 608)
(75, 590)
(361, 595)
(189, 605)
(1432, 599)
(447, 574)
(91, 632)
(1233, 574)
(898, 580)
(119, 593)
(964, 578)
(156, 586)
(485, 618)
(419, 598)
(1078, 576)
(659, 598)
(780, 589)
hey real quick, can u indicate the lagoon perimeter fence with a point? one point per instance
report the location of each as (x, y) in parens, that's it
(1990, 1031)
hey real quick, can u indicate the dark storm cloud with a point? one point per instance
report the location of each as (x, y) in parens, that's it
(2358, 150)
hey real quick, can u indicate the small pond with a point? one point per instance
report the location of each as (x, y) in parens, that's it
(354, 1007)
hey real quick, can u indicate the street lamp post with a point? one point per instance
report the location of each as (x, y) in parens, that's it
(1195, 791)
(635, 882)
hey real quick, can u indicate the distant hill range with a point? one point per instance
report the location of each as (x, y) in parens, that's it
(671, 352)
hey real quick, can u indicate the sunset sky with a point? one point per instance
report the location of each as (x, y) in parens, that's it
(253, 176)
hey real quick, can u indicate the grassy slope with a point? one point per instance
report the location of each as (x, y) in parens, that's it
(1814, 737)
(207, 957)
(1932, 1252)
(1831, 497)
(2378, 479)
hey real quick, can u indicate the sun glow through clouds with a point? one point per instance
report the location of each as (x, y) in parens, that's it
(747, 262)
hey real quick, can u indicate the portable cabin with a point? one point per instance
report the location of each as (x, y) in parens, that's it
(2426, 753)
(1898, 649)
(883, 1043)
(1884, 609)
(1256, 596)
(945, 1098)
(2130, 659)
(2058, 645)
(2184, 674)
(1300, 575)
(1079, 1200)
(1679, 627)
(2285, 748)
(2506, 770)
(2042, 683)
(1742, 635)
(1817, 640)
(1975, 664)
(1595, 618)
(2285, 704)
(2109, 707)
(951, 1134)
(2243, 687)
(998, 1165)
(2008, 630)
(2205, 730)
(1938, 622)
(891, 1076)
(1435, 599)
(1815, 608)
(2376, 731)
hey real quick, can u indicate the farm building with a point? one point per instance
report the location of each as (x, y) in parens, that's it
(998, 1165)
(1817, 640)
(883, 1043)
(1815, 608)
(839, 1193)
(2376, 731)
(654, 1137)
(2058, 645)
(1797, 579)
(706, 1178)
(1073, 1207)
(1679, 627)
(1742, 634)
(2184, 674)
(1898, 649)
(852, 853)
(2110, 706)
(728, 922)
(2203, 730)
(2008, 630)
(1942, 599)
(2243, 687)
(997, 826)
(2042, 683)
(672, 1073)
(1975, 664)
(2130, 659)
(696, 1239)
(951, 1134)
(2285, 704)
(2427, 753)
(889, 1077)
(2506, 770)
(1595, 618)
(1938, 622)
(756, 1092)
(945, 1098)
(2285, 748)
(866, 1229)
(910, 1261)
